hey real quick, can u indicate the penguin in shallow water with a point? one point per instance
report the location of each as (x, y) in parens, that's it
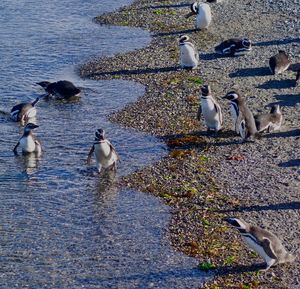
(28, 141)
(62, 88)
(263, 242)
(23, 112)
(269, 121)
(234, 47)
(203, 14)
(105, 153)
(243, 118)
(210, 109)
(279, 62)
(189, 55)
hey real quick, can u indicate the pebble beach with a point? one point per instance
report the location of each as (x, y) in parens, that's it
(206, 178)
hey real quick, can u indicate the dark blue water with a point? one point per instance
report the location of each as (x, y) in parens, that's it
(61, 226)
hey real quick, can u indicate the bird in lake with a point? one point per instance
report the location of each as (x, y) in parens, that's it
(105, 153)
(263, 242)
(62, 88)
(28, 141)
(203, 14)
(234, 47)
(269, 121)
(279, 63)
(210, 109)
(189, 55)
(25, 111)
(243, 118)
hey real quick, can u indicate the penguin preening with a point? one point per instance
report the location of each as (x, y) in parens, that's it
(105, 153)
(210, 109)
(203, 14)
(234, 47)
(269, 121)
(62, 88)
(189, 56)
(28, 141)
(23, 112)
(243, 118)
(279, 62)
(263, 242)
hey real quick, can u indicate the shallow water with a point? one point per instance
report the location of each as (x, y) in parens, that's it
(61, 225)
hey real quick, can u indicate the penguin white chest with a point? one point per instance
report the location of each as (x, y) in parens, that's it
(203, 18)
(31, 113)
(105, 156)
(210, 114)
(188, 56)
(27, 144)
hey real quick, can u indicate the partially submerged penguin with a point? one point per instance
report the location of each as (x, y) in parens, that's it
(234, 47)
(269, 121)
(279, 62)
(203, 14)
(28, 142)
(210, 109)
(189, 55)
(23, 112)
(105, 153)
(62, 88)
(263, 242)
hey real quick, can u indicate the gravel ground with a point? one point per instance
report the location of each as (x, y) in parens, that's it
(198, 178)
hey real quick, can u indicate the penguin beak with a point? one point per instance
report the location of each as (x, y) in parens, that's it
(34, 126)
(189, 15)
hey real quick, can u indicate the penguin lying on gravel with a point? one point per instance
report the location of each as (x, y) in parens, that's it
(203, 12)
(23, 112)
(269, 121)
(189, 55)
(279, 62)
(263, 242)
(234, 47)
(62, 88)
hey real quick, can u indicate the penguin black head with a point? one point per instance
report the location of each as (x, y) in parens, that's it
(29, 126)
(231, 95)
(100, 134)
(44, 84)
(183, 38)
(246, 43)
(239, 224)
(205, 90)
(195, 8)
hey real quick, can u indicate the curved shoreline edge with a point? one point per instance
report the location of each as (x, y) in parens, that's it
(189, 178)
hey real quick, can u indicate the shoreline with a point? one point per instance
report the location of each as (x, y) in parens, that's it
(195, 178)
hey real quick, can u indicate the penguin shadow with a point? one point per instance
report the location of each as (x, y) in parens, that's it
(277, 84)
(277, 42)
(210, 56)
(226, 270)
(251, 72)
(169, 6)
(181, 32)
(290, 163)
(287, 99)
(284, 134)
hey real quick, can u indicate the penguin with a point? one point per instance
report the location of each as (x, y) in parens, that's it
(279, 62)
(243, 118)
(297, 81)
(28, 141)
(62, 88)
(24, 111)
(215, 1)
(234, 47)
(105, 153)
(189, 56)
(263, 242)
(210, 109)
(270, 121)
(203, 12)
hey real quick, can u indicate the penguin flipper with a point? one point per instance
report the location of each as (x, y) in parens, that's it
(199, 113)
(15, 148)
(238, 122)
(267, 245)
(90, 155)
(113, 150)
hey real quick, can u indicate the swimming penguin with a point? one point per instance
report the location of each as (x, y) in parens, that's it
(279, 62)
(189, 56)
(243, 119)
(234, 47)
(61, 88)
(270, 121)
(28, 141)
(24, 111)
(210, 109)
(106, 155)
(263, 242)
(203, 12)
(297, 81)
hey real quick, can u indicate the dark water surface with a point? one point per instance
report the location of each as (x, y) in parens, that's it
(61, 226)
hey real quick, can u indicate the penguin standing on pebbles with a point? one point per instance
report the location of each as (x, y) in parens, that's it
(210, 109)
(270, 121)
(203, 14)
(24, 111)
(263, 242)
(279, 62)
(243, 119)
(234, 47)
(28, 141)
(62, 89)
(105, 153)
(189, 56)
